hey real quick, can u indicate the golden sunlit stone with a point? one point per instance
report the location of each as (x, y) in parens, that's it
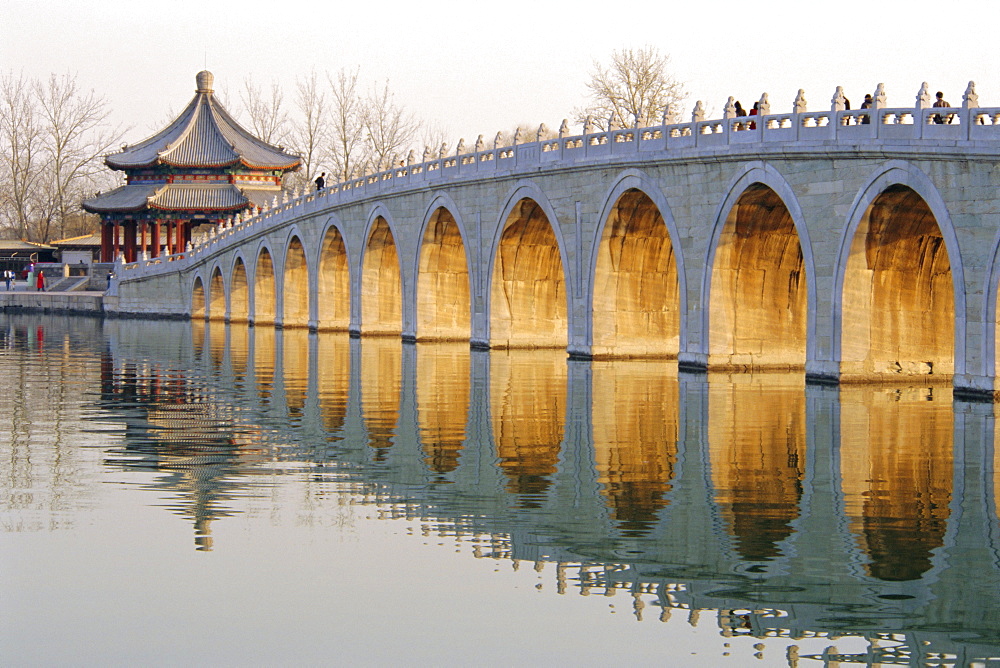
(217, 296)
(198, 300)
(636, 294)
(443, 304)
(263, 290)
(334, 284)
(899, 301)
(296, 286)
(239, 294)
(528, 295)
(381, 285)
(758, 307)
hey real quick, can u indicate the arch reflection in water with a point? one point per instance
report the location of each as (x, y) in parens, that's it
(295, 369)
(897, 465)
(757, 442)
(333, 371)
(635, 424)
(528, 408)
(698, 474)
(381, 373)
(264, 356)
(443, 373)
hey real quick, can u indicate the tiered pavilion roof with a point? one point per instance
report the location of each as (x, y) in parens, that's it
(202, 168)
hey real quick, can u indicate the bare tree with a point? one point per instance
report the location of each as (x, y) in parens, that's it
(21, 140)
(389, 129)
(634, 90)
(76, 136)
(347, 128)
(266, 114)
(308, 132)
(52, 137)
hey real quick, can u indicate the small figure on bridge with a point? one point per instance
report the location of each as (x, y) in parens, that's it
(753, 112)
(40, 283)
(867, 104)
(740, 111)
(941, 102)
(320, 181)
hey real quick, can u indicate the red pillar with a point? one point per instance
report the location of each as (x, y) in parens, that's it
(156, 239)
(106, 246)
(178, 235)
(142, 238)
(115, 241)
(170, 237)
(129, 241)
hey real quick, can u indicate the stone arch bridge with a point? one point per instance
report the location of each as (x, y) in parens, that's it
(853, 245)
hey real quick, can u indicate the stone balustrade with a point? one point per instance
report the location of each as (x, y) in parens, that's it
(912, 129)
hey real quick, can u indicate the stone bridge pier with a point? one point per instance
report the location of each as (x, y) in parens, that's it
(852, 245)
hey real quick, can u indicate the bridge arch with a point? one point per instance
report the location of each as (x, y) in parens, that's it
(636, 286)
(529, 295)
(899, 299)
(990, 353)
(333, 279)
(264, 296)
(443, 276)
(197, 299)
(381, 277)
(239, 291)
(215, 308)
(295, 282)
(759, 286)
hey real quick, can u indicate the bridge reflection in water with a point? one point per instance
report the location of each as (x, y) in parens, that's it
(783, 509)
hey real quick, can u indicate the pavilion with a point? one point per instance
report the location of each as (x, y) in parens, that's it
(202, 168)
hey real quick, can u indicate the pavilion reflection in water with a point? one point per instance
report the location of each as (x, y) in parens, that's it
(757, 492)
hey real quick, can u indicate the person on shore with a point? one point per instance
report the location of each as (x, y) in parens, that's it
(40, 283)
(7, 275)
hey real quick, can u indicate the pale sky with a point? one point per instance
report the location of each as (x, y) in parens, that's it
(473, 68)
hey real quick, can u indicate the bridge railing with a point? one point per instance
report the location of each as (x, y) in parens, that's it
(980, 126)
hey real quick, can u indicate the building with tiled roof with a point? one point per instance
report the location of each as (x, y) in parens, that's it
(16, 254)
(202, 168)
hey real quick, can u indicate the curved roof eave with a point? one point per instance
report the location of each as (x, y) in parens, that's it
(204, 135)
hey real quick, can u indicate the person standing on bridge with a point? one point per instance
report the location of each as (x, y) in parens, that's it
(941, 102)
(867, 104)
(320, 181)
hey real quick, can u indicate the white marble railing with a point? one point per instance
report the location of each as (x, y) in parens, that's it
(916, 129)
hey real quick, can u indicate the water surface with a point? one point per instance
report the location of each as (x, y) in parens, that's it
(176, 493)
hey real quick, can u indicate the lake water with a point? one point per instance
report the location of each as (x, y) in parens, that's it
(188, 494)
